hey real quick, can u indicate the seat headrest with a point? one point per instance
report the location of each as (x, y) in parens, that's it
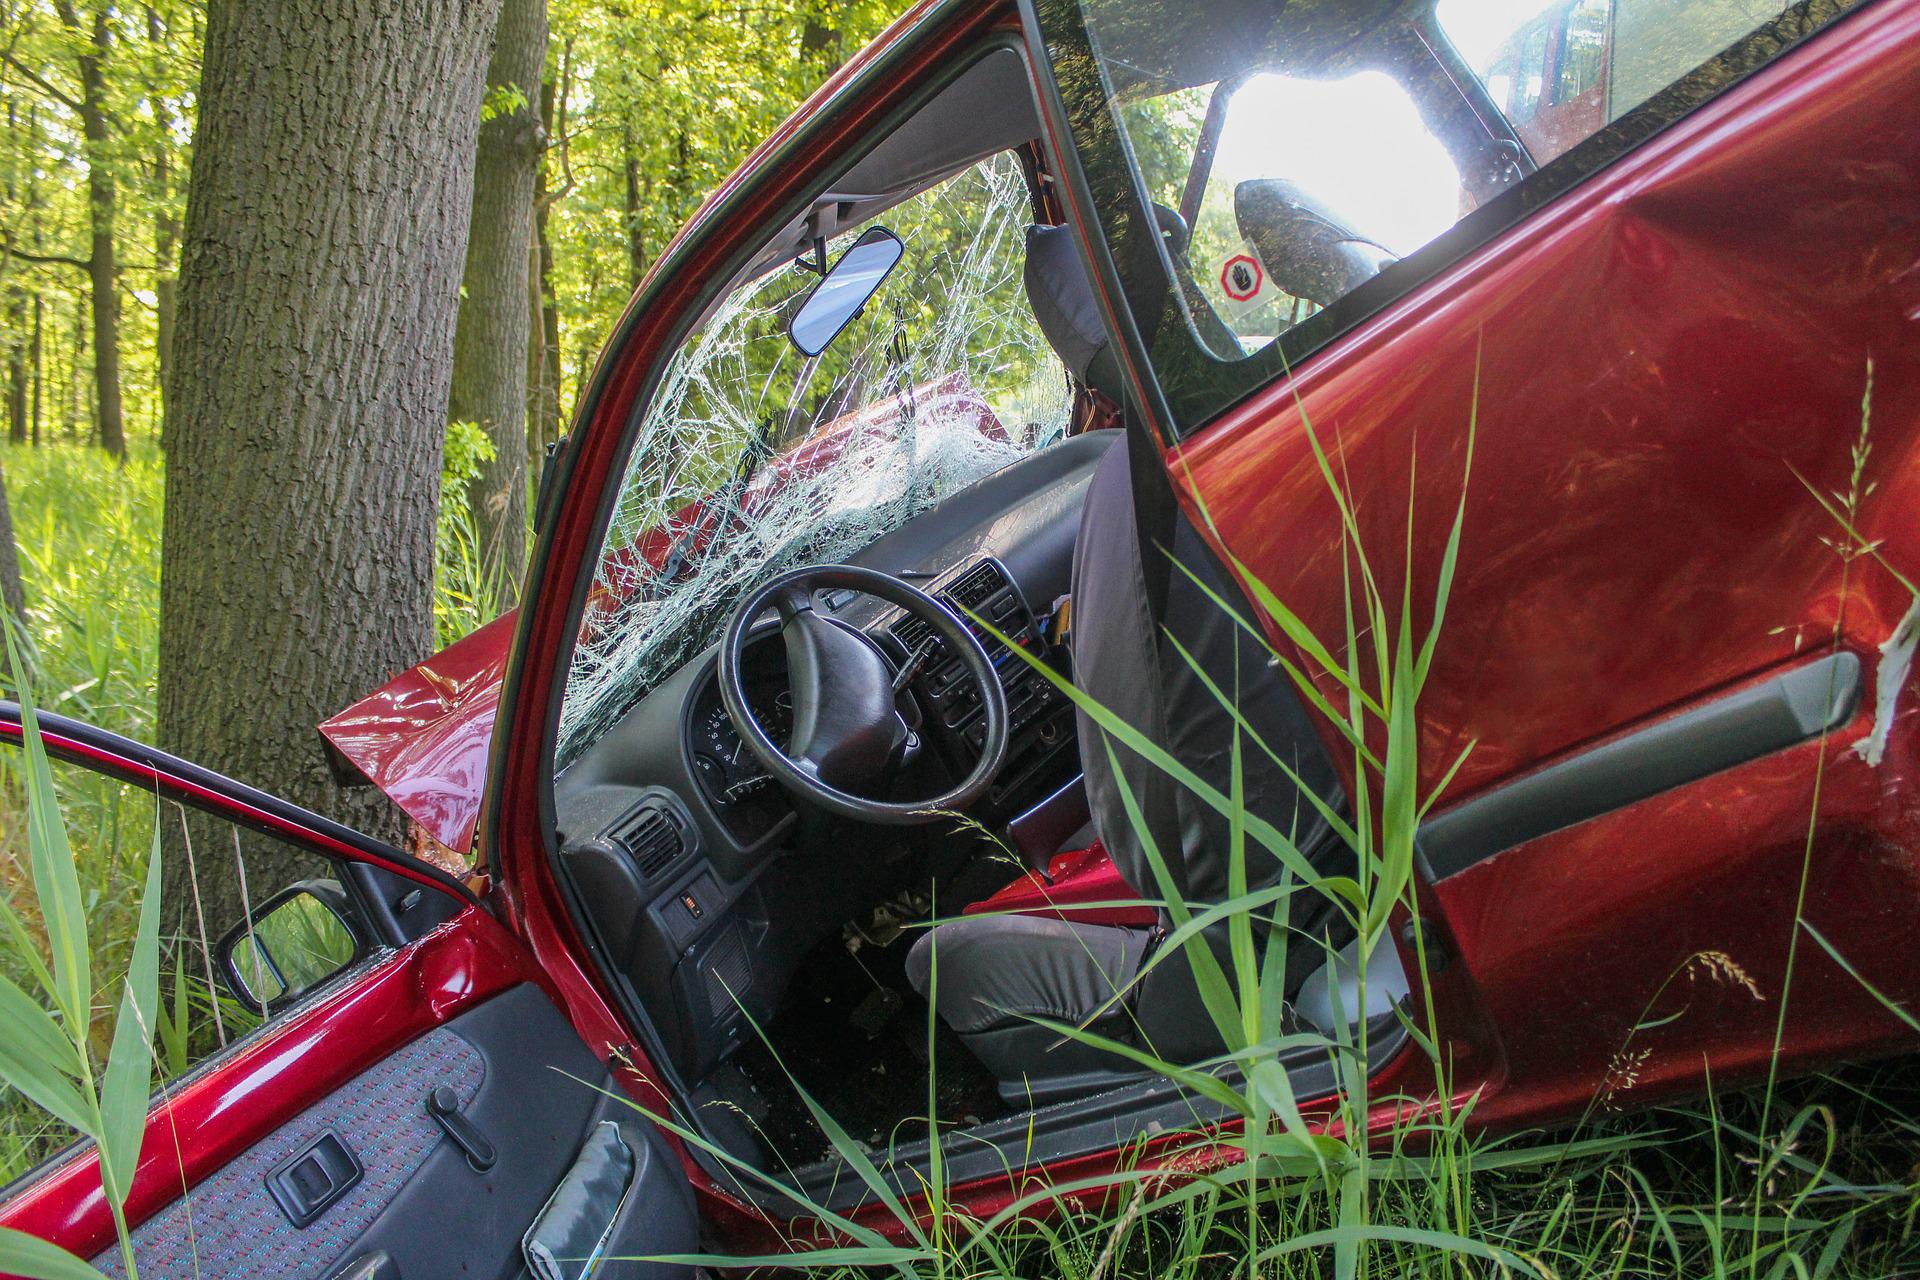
(1063, 302)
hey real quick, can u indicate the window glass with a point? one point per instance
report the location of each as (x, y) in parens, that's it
(110, 826)
(753, 458)
(1298, 163)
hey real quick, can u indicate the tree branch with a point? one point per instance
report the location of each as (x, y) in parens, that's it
(40, 82)
(44, 259)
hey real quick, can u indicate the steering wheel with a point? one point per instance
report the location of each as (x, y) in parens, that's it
(847, 731)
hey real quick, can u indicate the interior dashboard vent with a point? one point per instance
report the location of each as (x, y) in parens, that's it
(652, 838)
(977, 585)
(969, 591)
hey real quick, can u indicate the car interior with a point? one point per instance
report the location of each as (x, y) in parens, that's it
(771, 778)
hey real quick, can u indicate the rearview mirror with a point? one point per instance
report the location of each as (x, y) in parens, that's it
(294, 942)
(844, 290)
(1306, 250)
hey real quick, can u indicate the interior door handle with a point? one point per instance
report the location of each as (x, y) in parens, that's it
(319, 1174)
(368, 1266)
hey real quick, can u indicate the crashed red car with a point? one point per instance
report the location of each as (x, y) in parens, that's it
(1017, 303)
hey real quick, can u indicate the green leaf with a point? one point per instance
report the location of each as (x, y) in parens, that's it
(129, 1074)
(32, 1257)
(37, 1059)
(1353, 1235)
(25, 1026)
(55, 880)
(26, 947)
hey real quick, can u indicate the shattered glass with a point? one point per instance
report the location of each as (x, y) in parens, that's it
(753, 459)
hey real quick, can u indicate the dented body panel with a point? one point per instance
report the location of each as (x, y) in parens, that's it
(1672, 360)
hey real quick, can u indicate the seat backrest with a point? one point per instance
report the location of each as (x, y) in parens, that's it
(1063, 302)
(1120, 661)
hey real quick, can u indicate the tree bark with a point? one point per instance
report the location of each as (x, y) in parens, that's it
(166, 226)
(489, 364)
(103, 271)
(15, 337)
(543, 376)
(12, 596)
(37, 358)
(16, 365)
(320, 272)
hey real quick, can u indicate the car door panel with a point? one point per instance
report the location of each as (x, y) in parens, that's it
(1668, 363)
(522, 1079)
(462, 1006)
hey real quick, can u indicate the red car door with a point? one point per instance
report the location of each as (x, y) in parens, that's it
(417, 1113)
(1685, 681)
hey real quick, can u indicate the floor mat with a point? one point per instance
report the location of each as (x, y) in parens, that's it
(854, 1035)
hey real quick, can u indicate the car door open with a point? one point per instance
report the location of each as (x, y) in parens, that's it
(389, 1092)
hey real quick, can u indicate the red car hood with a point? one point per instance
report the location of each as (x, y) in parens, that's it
(423, 737)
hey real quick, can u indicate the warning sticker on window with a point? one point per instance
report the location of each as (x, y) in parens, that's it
(1242, 278)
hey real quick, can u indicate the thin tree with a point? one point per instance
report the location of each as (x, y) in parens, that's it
(489, 363)
(326, 228)
(94, 29)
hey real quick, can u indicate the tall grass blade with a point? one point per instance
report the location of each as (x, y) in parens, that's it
(32, 1257)
(129, 1073)
(55, 881)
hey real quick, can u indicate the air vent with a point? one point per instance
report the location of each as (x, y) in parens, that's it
(652, 838)
(911, 630)
(977, 585)
(969, 592)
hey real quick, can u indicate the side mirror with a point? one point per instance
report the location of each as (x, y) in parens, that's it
(844, 290)
(1304, 248)
(295, 941)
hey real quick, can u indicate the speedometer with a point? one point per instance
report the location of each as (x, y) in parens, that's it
(716, 737)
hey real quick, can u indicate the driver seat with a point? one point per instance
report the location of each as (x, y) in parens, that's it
(990, 976)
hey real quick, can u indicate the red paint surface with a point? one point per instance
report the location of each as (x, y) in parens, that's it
(1080, 884)
(423, 737)
(288, 1066)
(1660, 351)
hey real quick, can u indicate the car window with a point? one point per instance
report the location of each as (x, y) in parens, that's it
(298, 947)
(753, 458)
(1298, 166)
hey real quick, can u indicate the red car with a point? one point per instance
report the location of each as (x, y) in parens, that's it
(1019, 301)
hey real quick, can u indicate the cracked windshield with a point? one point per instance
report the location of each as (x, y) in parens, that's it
(753, 458)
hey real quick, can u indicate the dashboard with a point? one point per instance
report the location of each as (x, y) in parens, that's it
(702, 881)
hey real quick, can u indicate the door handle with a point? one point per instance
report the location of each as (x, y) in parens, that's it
(368, 1266)
(314, 1178)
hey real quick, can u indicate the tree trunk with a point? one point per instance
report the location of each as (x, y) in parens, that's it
(544, 351)
(320, 274)
(103, 272)
(16, 365)
(12, 596)
(39, 375)
(631, 209)
(166, 227)
(15, 338)
(489, 364)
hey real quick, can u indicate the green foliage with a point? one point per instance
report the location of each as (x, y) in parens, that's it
(470, 587)
(656, 103)
(89, 539)
(46, 1039)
